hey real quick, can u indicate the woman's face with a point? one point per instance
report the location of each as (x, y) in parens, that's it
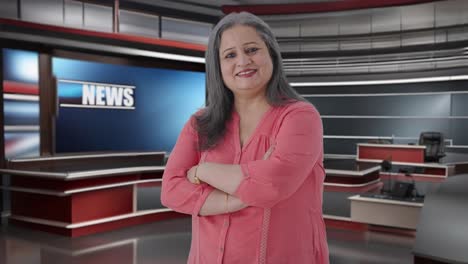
(245, 61)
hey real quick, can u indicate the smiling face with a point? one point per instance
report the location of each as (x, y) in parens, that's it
(245, 61)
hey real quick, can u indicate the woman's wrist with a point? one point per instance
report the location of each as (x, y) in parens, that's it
(196, 180)
(201, 171)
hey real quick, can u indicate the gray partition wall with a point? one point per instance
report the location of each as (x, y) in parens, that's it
(396, 113)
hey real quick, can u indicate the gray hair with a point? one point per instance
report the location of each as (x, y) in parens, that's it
(211, 122)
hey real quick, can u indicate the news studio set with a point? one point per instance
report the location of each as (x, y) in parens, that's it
(95, 94)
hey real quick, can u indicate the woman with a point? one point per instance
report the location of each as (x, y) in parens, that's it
(248, 167)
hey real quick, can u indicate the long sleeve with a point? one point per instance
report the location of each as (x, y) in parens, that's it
(177, 192)
(299, 145)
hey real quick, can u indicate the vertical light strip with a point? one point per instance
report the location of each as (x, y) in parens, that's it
(115, 20)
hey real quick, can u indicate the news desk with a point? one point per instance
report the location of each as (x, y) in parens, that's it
(346, 177)
(407, 165)
(76, 195)
(404, 157)
(353, 186)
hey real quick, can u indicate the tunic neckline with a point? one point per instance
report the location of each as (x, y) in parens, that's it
(236, 119)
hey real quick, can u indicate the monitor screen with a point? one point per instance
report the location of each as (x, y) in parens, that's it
(114, 107)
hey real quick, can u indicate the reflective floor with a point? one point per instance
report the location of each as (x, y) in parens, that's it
(168, 242)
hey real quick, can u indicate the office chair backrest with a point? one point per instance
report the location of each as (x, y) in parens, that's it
(403, 189)
(386, 165)
(435, 145)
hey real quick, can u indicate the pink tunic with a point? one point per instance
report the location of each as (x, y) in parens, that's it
(283, 223)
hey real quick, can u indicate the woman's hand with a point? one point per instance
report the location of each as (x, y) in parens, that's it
(191, 175)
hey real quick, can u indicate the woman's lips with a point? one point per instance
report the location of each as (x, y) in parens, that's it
(246, 73)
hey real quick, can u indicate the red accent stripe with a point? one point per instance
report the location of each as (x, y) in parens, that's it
(351, 179)
(282, 9)
(99, 204)
(20, 88)
(41, 206)
(116, 36)
(387, 152)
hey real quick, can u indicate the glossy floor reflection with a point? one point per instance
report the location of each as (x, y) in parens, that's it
(168, 242)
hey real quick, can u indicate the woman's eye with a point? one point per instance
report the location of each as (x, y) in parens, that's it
(230, 55)
(252, 50)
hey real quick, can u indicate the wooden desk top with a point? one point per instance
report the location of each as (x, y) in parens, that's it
(86, 165)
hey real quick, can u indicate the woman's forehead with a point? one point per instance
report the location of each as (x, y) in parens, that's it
(239, 35)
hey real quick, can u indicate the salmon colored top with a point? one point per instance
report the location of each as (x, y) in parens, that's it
(283, 223)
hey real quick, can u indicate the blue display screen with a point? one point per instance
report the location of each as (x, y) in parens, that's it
(109, 107)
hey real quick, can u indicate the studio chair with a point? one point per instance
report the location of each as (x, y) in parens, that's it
(386, 166)
(435, 145)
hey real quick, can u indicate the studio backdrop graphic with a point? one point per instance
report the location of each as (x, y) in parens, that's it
(21, 103)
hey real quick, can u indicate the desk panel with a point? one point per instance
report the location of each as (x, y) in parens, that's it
(349, 173)
(385, 212)
(379, 152)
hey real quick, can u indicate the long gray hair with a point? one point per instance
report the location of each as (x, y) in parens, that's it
(211, 122)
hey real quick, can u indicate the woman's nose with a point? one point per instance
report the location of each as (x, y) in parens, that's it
(243, 60)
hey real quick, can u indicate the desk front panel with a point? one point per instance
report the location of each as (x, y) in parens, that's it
(403, 154)
(373, 211)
